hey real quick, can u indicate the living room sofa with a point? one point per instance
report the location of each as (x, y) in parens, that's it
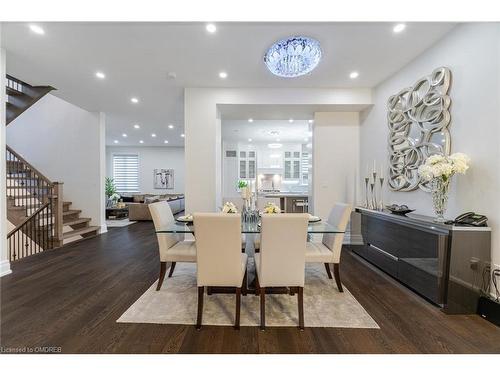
(138, 209)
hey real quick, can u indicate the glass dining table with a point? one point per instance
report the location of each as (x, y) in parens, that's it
(249, 228)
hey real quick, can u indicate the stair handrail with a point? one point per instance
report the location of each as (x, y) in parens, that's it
(50, 196)
(13, 231)
(31, 167)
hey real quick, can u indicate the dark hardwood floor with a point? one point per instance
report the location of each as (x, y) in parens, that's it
(71, 298)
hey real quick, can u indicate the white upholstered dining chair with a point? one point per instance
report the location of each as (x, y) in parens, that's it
(220, 262)
(281, 261)
(328, 250)
(172, 247)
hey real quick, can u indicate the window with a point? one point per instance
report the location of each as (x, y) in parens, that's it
(126, 172)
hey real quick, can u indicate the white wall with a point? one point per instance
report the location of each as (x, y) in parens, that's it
(202, 129)
(472, 52)
(151, 158)
(335, 161)
(63, 142)
(4, 255)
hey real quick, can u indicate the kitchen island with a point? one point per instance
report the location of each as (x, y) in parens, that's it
(290, 202)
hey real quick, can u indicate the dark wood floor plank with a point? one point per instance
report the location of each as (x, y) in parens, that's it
(73, 296)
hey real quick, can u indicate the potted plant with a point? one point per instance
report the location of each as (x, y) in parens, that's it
(438, 171)
(110, 191)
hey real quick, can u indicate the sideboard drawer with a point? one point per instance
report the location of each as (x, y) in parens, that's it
(375, 232)
(385, 261)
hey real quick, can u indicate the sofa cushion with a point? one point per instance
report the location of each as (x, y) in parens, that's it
(138, 198)
(151, 199)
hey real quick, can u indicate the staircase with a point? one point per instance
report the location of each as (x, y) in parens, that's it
(21, 96)
(42, 220)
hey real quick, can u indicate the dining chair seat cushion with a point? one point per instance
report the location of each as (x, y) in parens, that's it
(318, 252)
(182, 251)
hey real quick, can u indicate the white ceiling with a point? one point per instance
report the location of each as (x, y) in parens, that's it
(136, 58)
(260, 131)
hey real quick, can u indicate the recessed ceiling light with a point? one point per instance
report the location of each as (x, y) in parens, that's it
(249, 139)
(399, 27)
(211, 28)
(310, 121)
(137, 126)
(353, 75)
(153, 135)
(223, 75)
(290, 120)
(115, 141)
(170, 126)
(134, 100)
(274, 145)
(141, 141)
(250, 120)
(182, 135)
(37, 29)
(165, 141)
(124, 135)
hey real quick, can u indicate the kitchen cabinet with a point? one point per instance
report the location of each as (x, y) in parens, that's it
(247, 164)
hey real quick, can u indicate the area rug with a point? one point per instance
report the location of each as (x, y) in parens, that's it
(176, 303)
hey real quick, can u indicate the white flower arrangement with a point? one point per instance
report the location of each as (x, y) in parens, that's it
(271, 208)
(443, 167)
(229, 208)
(114, 197)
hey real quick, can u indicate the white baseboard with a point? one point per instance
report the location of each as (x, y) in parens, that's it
(5, 268)
(104, 229)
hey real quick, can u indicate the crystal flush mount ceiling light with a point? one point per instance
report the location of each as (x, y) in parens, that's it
(293, 57)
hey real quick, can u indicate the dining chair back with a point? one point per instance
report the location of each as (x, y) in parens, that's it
(282, 249)
(218, 245)
(219, 257)
(339, 218)
(172, 247)
(162, 217)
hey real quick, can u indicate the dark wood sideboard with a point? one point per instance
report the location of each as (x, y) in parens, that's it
(443, 263)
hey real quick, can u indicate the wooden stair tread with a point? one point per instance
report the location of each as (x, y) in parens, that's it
(71, 212)
(78, 232)
(80, 220)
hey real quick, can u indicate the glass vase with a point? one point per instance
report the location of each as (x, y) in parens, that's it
(440, 198)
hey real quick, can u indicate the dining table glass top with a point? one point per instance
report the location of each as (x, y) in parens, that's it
(249, 227)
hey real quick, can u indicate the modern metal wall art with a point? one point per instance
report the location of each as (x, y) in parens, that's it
(418, 119)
